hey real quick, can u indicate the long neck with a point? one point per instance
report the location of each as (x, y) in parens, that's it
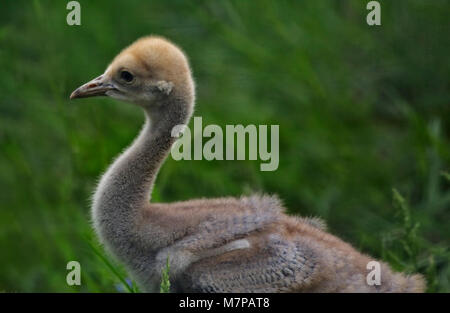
(126, 186)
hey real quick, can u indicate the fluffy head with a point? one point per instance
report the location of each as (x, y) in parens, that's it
(148, 71)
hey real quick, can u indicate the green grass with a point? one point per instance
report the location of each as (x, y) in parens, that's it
(165, 282)
(115, 269)
(362, 110)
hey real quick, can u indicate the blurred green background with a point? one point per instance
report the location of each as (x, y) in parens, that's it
(362, 110)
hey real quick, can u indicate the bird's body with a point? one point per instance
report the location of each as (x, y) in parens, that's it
(213, 245)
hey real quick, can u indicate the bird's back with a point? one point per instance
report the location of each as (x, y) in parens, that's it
(284, 254)
(248, 244)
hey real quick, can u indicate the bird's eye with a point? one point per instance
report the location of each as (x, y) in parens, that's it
(126, 76)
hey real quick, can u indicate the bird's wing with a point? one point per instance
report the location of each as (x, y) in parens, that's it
(220, 233)
(257, 212)
(278, 266)
(314, 221)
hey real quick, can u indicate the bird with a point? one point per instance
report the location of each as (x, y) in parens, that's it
(228, 244)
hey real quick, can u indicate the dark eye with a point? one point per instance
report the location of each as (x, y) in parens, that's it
(126, 76)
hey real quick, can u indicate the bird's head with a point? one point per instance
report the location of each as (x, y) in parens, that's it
(146, 73)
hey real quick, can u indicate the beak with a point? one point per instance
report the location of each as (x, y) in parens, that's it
(96, 87)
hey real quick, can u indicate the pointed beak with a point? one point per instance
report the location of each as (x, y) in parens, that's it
(96, 87)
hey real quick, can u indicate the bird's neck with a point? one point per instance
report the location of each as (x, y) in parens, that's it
(126, 186)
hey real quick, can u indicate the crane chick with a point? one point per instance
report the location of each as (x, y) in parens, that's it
(244, 244)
